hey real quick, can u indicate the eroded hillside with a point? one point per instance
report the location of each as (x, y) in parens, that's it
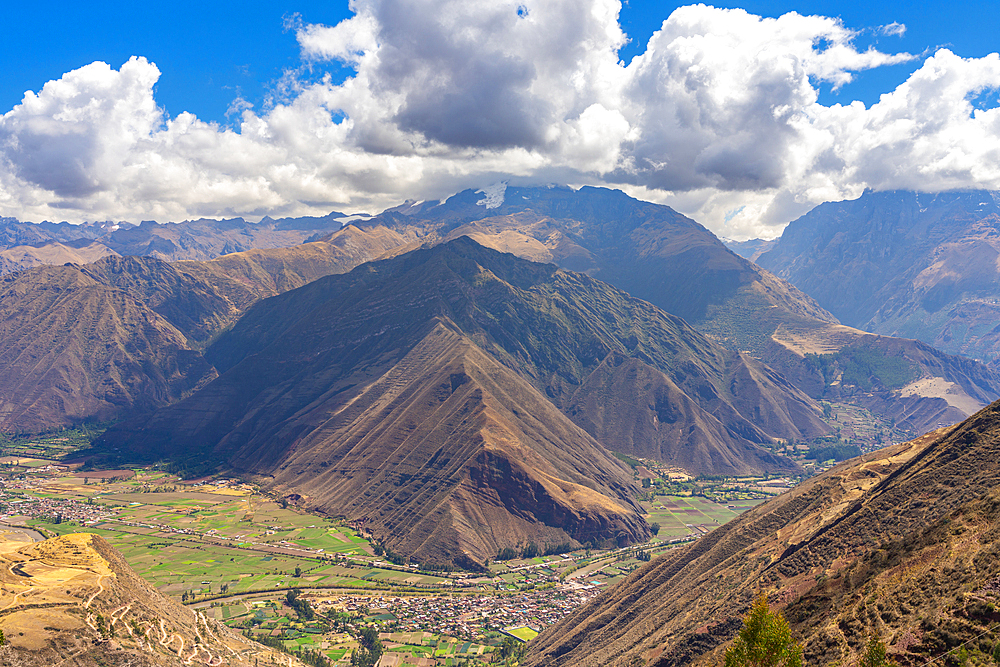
(73, 600)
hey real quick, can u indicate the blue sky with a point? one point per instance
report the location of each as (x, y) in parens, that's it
(210, 52)
(737, 114)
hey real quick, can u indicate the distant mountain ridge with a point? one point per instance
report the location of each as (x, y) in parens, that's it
(917, 265)
(23, 244)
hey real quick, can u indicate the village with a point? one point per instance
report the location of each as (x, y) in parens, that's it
(222, 545)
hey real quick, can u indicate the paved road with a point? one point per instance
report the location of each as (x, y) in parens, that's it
(33, 534)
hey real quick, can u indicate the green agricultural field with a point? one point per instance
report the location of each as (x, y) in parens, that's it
(676, 513)
(525, 634)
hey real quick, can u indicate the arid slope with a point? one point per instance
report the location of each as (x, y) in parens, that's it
(95, 341)
(902, 544)
(321, 386)
(73, 600)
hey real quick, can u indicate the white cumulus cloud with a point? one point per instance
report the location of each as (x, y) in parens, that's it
(719, 116)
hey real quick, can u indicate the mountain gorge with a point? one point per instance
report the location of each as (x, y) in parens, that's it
(323, 388)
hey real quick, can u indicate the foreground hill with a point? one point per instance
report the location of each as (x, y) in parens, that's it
(900, 263)
(73, 600)
(412, 392)
(902, 544)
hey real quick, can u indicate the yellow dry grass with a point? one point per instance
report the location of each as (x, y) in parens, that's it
(229, 492)
(933, 387)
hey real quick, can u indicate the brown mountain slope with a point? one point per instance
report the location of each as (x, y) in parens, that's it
(93, 341)
(656, 254)
(18, 258)
(446, 455)
(246, 277)
(449, 453)
(648, 250)
(74, 348)
(916, 385)
(73, 600)
(902, 544)
(552, 327)
(322, 384)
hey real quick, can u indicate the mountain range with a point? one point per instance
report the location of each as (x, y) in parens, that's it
(410, 391)
(659, 255)
(397, 372)
(24, 245)
(901, 545)
(909, 264)
(646, 249)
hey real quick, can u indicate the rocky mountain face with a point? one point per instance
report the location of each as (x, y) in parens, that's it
(405, 392)
(24, 245)
(74, 600)
(902, 545)
(653, 252)
(907, 264)
(95, 341)
(76, 346)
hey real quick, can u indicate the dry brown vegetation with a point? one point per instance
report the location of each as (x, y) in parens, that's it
(902, 544)
(73, 600)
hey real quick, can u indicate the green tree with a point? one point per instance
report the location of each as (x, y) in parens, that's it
(511, 651)
(370, 651)
(874, 655)
(765, 640)
(655, 527)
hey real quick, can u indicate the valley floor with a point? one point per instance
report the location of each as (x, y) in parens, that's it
(221, 545)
